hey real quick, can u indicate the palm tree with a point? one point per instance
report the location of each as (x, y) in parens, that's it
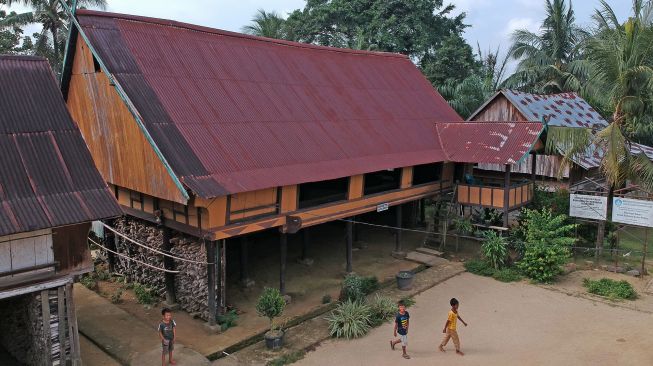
(267, 24)
(548, 60)
(54, 20)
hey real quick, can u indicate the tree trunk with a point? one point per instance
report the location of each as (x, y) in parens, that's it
(55, 44)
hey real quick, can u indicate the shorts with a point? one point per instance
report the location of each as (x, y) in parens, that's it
(404, 339)
(167, 346)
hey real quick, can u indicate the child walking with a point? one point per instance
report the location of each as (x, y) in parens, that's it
(167, 333)
(450, 328)
(401, 328)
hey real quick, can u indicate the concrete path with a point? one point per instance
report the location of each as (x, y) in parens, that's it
(92, 355)
(509, 324)
(119, 334)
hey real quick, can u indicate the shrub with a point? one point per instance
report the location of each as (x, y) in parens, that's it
(144, 295)
(507, 275)
(227, 320)
(479, 267)
(382, 308)
(464, 226)
(326, 299)
(270, 305)
(557, 201)
(355, 287)
(116, 297)
(543, 227)
(542, 263)
(494, 249)
(351, 319)
(408, 301)
(88, 281)
(610, 288)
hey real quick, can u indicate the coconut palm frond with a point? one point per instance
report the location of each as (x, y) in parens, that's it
(17, 20)
(615, 154)
(641, 170)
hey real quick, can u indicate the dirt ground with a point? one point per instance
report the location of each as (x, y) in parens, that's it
(306, 284)
(509, 324)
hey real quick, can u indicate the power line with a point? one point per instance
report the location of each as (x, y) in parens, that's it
(152, 249)
(132, 259)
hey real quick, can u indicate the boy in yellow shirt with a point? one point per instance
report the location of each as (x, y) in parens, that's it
(450, 328)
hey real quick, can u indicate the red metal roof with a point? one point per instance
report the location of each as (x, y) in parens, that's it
(234, 113)
(47, 175)
(488, 142)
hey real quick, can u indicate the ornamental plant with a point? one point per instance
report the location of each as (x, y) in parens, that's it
(495, 249)
(270, 305)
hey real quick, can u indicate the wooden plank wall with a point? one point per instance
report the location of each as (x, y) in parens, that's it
(246, 205)
(26, 250)
(120, 150)
(500, 109)
(70, 246)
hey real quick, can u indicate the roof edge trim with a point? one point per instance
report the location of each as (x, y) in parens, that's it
(128, 102)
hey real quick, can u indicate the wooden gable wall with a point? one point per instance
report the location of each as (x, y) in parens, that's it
(500, 109)
(121, 152)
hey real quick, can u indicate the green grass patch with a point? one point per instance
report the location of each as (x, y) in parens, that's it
(610, 288)
(482, 268)
(287, 359)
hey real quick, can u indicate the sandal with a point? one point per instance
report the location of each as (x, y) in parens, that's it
(406, 356)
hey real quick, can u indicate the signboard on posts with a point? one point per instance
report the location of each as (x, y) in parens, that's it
(588, 207)
(633, 212)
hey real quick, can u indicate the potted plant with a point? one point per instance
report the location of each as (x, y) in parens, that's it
(405, 280)
(271, 305)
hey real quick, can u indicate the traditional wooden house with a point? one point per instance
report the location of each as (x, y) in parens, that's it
(50, 191)
(564, 110)
(205, 135)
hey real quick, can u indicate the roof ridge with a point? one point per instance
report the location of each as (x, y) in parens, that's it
(22, 57)
(205, 29)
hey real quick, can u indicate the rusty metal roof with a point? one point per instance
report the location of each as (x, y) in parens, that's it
(489, 142)
(563, 109)
(234, 113)
(47, 175)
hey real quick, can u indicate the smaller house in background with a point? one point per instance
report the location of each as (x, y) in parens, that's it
(50, 192)
(564, 110)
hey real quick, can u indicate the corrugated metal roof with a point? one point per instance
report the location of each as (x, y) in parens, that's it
(563, 109)
(47, 175)
(234, 113)
(488, 142)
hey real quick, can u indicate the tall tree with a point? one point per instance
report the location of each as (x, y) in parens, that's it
(549, 61)
(12, 39)
(266, 24)
(424, 30)
(51, 16)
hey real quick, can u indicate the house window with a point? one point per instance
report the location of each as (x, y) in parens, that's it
(326, 191)
(427, 173)
(96, 65)
(381, 181)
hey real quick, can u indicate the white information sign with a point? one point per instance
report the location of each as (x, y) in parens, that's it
(632, 211)
(382, 207)
(588, 207)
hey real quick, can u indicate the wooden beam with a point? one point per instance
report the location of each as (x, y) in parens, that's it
(61, 317)
(506, 195)
(407, 177)
(349, 240)
(283, 251)
(398, 217)
(168, 263)
(289, 198)
(73, 334)
(355, 187)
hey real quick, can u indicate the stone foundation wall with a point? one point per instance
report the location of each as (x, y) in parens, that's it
(191, 281)
(22, 333)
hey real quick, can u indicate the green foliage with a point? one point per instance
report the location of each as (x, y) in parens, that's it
(610, 288)
(408, 301)
(12, 40)
(351, 319)
(326, 299)
(267, 24)
(479, 267)
(494, 249)
(489, 216)
(507, 275)
(287, 359)
(88, 281)
(463, 225)
(144, 295)
(382, 308)
(270, 304)
(543, 262)
(227, 320)
(116, 297)
(544, 228)
(355, 287)
(557, 201)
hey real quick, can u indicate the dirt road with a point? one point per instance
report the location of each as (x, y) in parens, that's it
(509, 324)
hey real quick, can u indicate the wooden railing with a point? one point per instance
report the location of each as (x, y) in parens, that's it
(493, 196)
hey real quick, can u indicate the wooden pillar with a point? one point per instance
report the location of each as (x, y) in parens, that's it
(210, 281)
(533, 167)
(355, 228)
(61, 318)
(221, 268)
(283, 250)
(45, 322)
(422, 211)
(349, 241)
(168, 263)
(73, 336)
(506, 196)
(111, 242)
(244, 262)
(398, 217)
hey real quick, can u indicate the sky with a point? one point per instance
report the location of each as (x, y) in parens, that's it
(491, 21)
